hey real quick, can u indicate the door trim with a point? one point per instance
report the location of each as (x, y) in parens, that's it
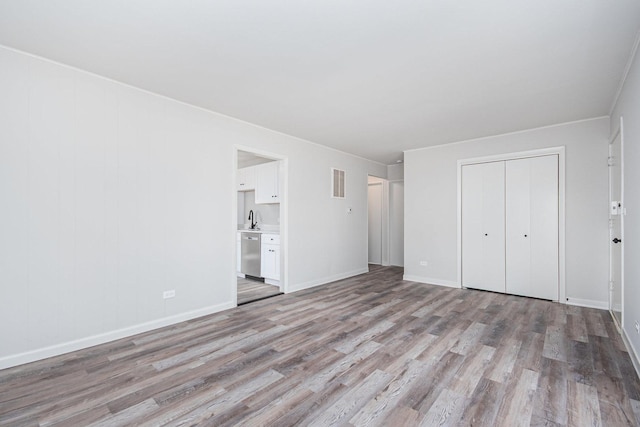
(619, 132)
(560, 152)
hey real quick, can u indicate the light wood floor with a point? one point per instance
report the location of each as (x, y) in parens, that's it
(370, 350)
(253, 290)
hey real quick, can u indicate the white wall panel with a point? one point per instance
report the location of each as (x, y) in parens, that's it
(14, 203)
(396, 223)
(110, 195)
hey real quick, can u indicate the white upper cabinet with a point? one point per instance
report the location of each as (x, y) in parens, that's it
(268, 182)
(246, 179)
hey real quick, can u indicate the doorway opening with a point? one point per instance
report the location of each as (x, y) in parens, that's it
(258, 224)
(376, 218)
(385, 219)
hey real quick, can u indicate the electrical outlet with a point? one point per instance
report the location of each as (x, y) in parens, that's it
(169, 294)
(637, 327)
(424, 263)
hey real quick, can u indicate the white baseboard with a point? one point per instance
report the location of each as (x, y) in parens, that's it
(602, 305)
(632, 352)
(79, 344)
(325, 280)
(430, 281)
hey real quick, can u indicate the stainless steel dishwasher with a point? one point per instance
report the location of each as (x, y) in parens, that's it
(250, 262)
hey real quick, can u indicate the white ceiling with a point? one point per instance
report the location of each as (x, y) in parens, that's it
(369, 77)
(246, 159)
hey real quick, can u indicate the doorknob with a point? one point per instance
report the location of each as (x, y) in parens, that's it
(616, 240)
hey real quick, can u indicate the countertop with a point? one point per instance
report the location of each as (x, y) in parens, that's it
(242, 230)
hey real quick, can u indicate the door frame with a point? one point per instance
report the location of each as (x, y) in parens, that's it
(384, 218)
(392, 235)
(382, 221)
(560, 152)
(284, 216)
(619, 132)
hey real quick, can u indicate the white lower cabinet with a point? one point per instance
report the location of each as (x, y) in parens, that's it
(270, 257)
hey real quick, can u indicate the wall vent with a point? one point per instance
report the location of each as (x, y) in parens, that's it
(337, 183)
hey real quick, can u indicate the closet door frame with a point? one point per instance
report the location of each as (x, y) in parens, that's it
(560, 152)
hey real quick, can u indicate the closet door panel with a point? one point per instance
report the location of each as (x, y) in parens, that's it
(483, 260)
(517, 224)
(532, 227)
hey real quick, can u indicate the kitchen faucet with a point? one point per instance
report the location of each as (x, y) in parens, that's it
(251, 218)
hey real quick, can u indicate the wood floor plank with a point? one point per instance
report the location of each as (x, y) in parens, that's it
(482, 407)
(505, 360)
(368, 350)
(555, 344)
(446, 410)
(517, 406)
(577, 328)
(227, 400)
(379, 408)
(635, 405)
(471, 371)
(584, 408)
(550, 401)
(344, 408)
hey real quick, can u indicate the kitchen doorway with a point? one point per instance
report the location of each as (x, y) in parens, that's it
(259, 225)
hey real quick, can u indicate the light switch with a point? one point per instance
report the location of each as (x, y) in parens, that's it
(615, 208)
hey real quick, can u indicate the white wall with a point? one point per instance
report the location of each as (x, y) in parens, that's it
(265, 214)
(110, 195)
(628, 106)
(396, 223)
(395, 172)
(431, 204)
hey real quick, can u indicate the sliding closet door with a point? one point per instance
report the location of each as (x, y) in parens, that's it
(532, 227)
(483, 245)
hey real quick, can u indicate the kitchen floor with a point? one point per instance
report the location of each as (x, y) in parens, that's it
(254, 290)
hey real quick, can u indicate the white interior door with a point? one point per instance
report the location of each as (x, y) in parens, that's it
(375, 223)
(615, 228)
(532, 227)
(483, 231)
(396, 223)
